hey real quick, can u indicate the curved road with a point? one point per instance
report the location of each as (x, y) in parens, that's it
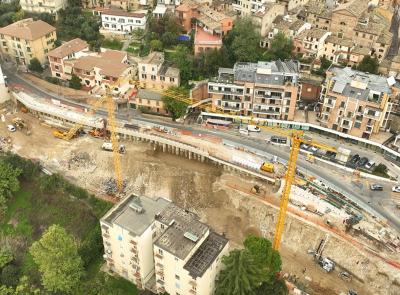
(370, 201)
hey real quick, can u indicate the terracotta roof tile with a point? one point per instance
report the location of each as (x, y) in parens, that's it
(68, 48)
(28, 29)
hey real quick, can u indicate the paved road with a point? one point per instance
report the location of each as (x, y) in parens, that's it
(375, 202)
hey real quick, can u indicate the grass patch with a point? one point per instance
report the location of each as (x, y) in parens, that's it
(112, 44)
(124, 286)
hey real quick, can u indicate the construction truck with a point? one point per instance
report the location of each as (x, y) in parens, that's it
(107, 146)
(253, 164)
(327, 264)
(64, 134)
(21, 125)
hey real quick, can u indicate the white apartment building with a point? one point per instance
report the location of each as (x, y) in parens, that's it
(154, 72)
(39, 6)
(120, 21)
(151, 240)
(247, 7)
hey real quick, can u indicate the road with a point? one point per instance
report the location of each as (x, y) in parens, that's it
(378, 203)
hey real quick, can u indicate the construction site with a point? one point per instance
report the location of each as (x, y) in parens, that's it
(329, 244)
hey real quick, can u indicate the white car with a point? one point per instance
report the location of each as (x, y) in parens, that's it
(396, 189)
(313, 149)
(253, 128)
(11, 128)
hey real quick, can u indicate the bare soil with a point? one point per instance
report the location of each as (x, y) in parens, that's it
(221, 199)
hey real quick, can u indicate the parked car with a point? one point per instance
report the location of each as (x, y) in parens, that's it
(363, 161)
(11, 128)
(313, 149)
(355, 159)
(330, 154)
(376, 187)
(396, 189)
(304, 146)
(370, 164)
(253, 128)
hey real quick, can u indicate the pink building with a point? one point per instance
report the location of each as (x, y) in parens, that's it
(204, 41)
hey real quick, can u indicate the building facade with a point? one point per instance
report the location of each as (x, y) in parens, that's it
(154, 72)
(204, 41)
(113, 20)
(263, 90)
(148, 238)
(264, 17)
(354, 102)
(46, 6)
(73, 49)
(26, 39)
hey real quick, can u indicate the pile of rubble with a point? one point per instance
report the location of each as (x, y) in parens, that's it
(5, 144)
(110, 186)
(80, 159)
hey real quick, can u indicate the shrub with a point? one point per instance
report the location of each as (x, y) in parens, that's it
(53, 80)
(35, 66)
(75, 82)
(10, 275)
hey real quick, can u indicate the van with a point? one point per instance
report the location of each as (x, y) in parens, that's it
(253, 128)
(11, 128)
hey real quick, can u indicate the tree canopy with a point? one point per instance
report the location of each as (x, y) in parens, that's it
(75, 82)
(8, 12)
(183, 60)
(9, 183)
(35, 66)
(56, 255)
(369, 64)
(281, 48)
(252, 270)
(243, 41)
(175, 107)
(241, 275)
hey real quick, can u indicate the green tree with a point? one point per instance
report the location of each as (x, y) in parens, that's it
(267, 258)
(156, 45)
(5, 257)
(9, 275)
(276, 287)
(23, 288)
(35, 66)
(175, 107)
(56, 255)
(75, 82)
(369, 64)
(18, 15)
(183, 60)
(240, 276)
(243, 41)
(9, 183)
(281, 48)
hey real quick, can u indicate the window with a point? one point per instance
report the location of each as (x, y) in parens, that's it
(162, 226)
(113, 18)
(144, 76)
(160, 252)
(342, 104)
(46, 50)
(113, 26)
(343, 23)
(153, 77)
(177, 277)
(106, 18)
(138, 21)
(47, 35)
(172, 79)
(357, 125)
(288, 94)
(56, 67)
(58, 75)
(162, 78)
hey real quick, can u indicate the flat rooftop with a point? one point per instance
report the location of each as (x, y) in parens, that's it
(135, 214)
(205, 255)
(183, 232)
(356, 84)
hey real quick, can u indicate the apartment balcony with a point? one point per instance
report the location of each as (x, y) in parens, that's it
(231, 107)
(265, 111)
(161, 290)
(134, 250)
(160, 282)
(133, 242)
(137, 274)
(106, 236)
(160, 273)
(159, 265)
(192, 292)
(158, 255)
(231, 99)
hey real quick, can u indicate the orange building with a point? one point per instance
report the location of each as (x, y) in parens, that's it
(185, 13)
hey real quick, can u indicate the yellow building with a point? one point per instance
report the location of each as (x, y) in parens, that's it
(26, 39)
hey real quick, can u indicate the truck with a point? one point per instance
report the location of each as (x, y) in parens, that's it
(107, 146)
(253, 164)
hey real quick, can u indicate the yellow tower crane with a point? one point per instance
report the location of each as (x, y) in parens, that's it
(297, 138)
